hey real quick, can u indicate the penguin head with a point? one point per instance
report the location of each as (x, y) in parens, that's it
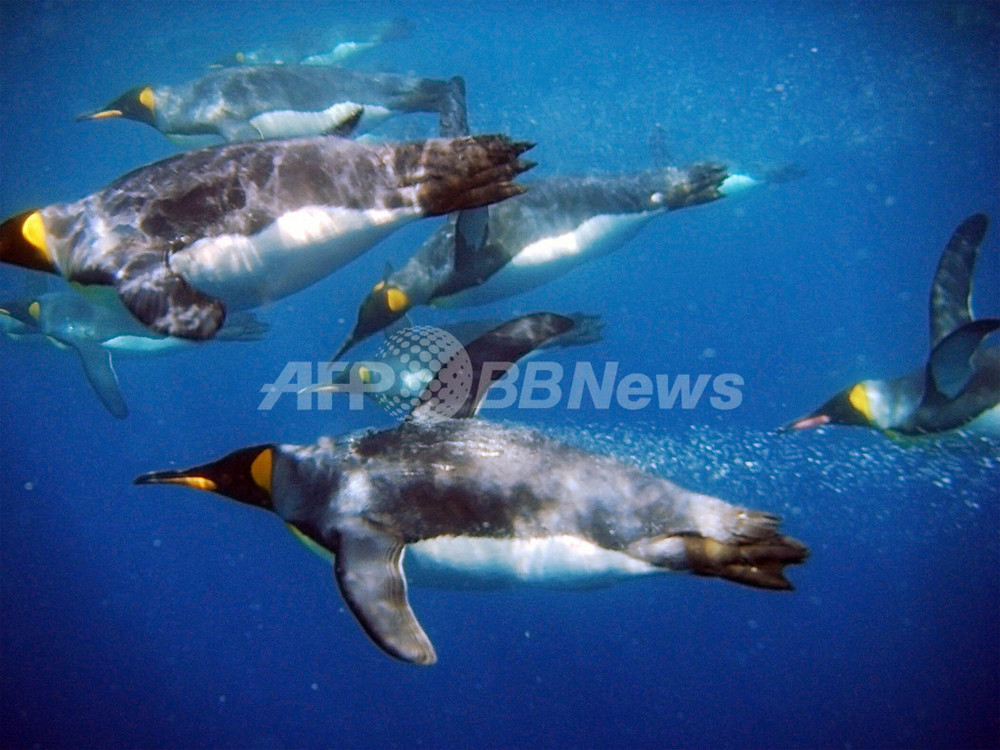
(23, 242)
(384, 305)
(26, 311)
(135, 104)
(855, 406)
(244, 475)
(20, 317)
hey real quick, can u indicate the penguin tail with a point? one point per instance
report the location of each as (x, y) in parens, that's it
(468, 172)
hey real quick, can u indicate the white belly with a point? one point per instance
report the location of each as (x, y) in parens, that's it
(987, 423)
(291, 124)
(552, 562)
(550, 257)
(145, 345)
(297, 250)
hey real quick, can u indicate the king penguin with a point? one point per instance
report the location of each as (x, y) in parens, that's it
(98, 329)
(959, 386)
(489, 504)
(322, 46)
(236, 226)
(477, 257)
(285, 101)
(397, 376)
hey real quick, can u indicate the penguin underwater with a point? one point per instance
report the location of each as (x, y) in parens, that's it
(233, 227)
(98, 331)
(322, 47)
(959, 386)
(503, 504)
(283, 101)
(406, 377)
(480, 256)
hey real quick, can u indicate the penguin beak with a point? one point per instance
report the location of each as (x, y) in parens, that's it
(99, 115)
(348, 343)
(189, 478)
(806, 423)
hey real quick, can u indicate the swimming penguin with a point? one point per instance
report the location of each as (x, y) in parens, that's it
(400, 372)
(98, 329)
(959, 387)
(328, 46)
(233, 227)
(285, 101)
(488, 503)
(481, 256)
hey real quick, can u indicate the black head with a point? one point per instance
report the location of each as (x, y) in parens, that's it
(244, 475)
(135, 104)
(851, 406)
(384, 305)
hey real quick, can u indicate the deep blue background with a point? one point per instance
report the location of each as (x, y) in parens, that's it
(163, 618)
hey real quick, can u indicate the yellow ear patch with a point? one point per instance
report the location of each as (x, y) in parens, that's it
(35, 310)
(261, 468)
(396, 299)
(146, 98)
(859, 400)
(33, 230)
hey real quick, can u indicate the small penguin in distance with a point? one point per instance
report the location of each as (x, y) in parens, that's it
(284, 101)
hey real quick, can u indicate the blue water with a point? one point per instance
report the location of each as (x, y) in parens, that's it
(146, 617)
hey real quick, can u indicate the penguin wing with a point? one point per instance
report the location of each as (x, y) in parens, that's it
(952, 285)
(491, 355)
(239, 131)
(474, 257)
(368, 567)
(100, 372)
(950, 367)
(164, 301)
(242, 326)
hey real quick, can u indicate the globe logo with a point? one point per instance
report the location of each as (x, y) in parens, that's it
(432, 371)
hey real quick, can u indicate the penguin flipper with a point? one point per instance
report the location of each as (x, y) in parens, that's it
(492, 355)
(369, 570)
(949, 367)
(242, 326)
(100, 372)
(950, 291)
(474, 257)
(349, 118)
(165, 302)
(587, 329)
(471, 228)
(239, 131)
